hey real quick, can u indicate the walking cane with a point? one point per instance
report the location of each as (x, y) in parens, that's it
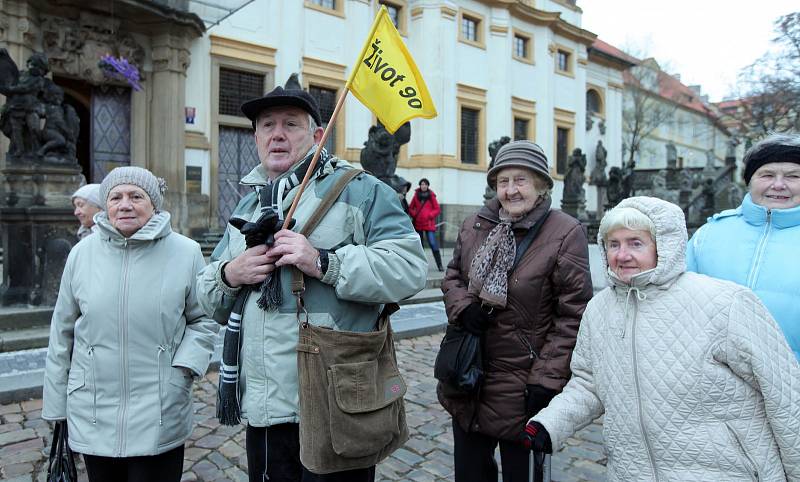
(539, 467)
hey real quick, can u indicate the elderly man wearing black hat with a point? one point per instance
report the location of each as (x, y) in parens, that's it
(755, 244)
(363, 254)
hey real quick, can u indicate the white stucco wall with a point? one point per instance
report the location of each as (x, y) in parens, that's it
(296, 31)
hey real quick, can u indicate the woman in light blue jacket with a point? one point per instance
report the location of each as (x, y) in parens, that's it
(128, 337)
(756, 244)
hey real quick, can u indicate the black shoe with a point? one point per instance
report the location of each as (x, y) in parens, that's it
(438, 257)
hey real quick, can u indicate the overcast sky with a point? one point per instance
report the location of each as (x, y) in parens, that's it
(706, 41)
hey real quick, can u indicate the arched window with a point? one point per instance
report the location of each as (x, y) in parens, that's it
(594, 103)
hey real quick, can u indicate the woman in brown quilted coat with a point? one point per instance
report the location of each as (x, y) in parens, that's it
(527, 313)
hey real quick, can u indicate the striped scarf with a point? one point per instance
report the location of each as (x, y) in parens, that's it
(271, 197)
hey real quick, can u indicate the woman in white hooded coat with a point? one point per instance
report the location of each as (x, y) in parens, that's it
(694, 376)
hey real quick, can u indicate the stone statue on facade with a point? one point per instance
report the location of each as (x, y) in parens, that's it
(660, 190)
(711, 160)
(20, 115)
(598, 176)
(686, 185)
(685, 180)
(672, 155)
(494, 147)
(614, 190)
(61, 128)
(573, 200)
(379, 155)
(708, 194)
(628, 172)
(31, 98)
(731, 147)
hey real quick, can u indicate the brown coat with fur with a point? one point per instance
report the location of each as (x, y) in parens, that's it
(531, 340)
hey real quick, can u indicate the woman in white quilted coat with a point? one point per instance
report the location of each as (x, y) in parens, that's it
(694, 376)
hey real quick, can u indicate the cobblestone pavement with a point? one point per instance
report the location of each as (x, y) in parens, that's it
(216, 453)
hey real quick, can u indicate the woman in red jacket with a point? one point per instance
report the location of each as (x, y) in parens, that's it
(423, 210)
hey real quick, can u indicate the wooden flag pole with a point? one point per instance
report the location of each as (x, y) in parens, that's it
(314, 159)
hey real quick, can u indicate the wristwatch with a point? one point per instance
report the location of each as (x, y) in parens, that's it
(322, 261)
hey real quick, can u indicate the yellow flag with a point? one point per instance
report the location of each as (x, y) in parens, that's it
(386, 79)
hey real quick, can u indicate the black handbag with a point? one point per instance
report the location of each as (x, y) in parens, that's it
(459, 364)
(61, 467)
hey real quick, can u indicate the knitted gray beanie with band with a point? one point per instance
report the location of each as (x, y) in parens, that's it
(520, 154)
(152, 185)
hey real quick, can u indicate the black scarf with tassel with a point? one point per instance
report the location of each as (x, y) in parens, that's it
(271, 197)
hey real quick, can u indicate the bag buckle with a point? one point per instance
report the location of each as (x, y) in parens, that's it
(301, 309)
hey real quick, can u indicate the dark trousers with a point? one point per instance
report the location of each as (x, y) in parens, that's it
(474, 458)
(275, 452)
(166, 467)
(430, 237)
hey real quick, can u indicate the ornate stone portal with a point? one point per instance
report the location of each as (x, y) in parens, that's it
(40, 174)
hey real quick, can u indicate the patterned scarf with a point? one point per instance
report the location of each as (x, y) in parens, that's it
(488, 273)
(271, 197)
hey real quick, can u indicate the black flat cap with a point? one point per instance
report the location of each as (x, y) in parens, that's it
(282, 97)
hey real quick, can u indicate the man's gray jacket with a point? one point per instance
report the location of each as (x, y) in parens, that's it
(376, 258)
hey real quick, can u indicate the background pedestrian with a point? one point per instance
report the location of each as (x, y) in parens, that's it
(87, 203)
(423, 210)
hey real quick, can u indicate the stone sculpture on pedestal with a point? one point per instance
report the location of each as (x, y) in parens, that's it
(41, 172)
(379, 155)
(573, 201)
(494, 146)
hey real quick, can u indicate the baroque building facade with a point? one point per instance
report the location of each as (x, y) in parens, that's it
(519, 68)
(522, 69)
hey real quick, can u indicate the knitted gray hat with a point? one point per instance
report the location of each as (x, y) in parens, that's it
(90, 193)
(152, 185)
(520, 154)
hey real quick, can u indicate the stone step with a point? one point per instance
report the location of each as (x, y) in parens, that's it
(20, 318)
(24, 339)
(428, 295)
(435, 279)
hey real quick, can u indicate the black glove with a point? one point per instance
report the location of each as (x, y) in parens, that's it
(475, 319)
(262, 231)
(536, 438)
(536, 398)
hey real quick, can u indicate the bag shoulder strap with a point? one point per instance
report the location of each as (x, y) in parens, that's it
(528, 239)
(298, 284)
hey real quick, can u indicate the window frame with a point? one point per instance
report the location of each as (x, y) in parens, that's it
(526, 110)
(480, 25)
(563, 119)
(472, 98)
(337, 11)
(235, 55)
(601, 93)
(528, 37)
(327, 75)
(559, 49)
(402, 13)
